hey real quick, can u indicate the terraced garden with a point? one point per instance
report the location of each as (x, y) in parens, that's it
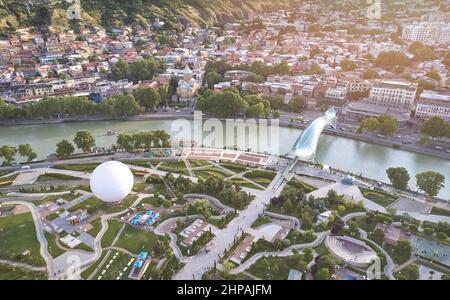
(212, 171)
(263, 178)
(77, 167)
(379, 197)
(8, 180)
(178, 167)
(245, 183)
(295, 183)
(54, 177)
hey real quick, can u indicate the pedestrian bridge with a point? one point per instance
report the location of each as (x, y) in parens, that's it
(306, 145)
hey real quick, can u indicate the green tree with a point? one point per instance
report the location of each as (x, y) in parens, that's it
(388, 59)
(348, 65)
(399, 177)
(213, 78)
(435, 127)
(421, 52)
(297, 104)
(410, 272)
(8, 152)
(434, 75)
(84, 140)
(25, 150)
(402, 251)
(378, 236)
(119, 70)
(323, 274)
(388, 127)
(64, 149)
(147, 98)
(276, 114)
(316, 69)
(125, 141)
(369, 124)
(430, 182)
(125, 105)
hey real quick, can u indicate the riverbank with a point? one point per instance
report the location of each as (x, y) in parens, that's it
(141, 117)
(190, 116)
(383, 142)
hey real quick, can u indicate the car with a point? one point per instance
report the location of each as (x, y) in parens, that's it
(439, 148)
(380, 136)
(25, 168)
(448, 151)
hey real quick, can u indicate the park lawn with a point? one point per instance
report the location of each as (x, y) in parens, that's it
(139, 163)
(152, 201)
(245, 183)
(233, 167)
(116, 267)
(110, 234)
(86, 273)
(205, 173)
(136, 240)
(322, 249)
(140, 187)
(84, 247)
(53, 248)
(8, 272)
(54, 177)
(440, 212)
(199, 163)
(263, 178)
(379, 197)
(94, 204)
(362, 223)
(295, 183)
(3, 173)
(178, 167)
(91, 205)
(67, 197)
(261, 221)
(261, 270)
(96, 227)
(77, 167)
(8, 180)
(17, 235)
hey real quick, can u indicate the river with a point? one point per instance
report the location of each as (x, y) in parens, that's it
(342, 153)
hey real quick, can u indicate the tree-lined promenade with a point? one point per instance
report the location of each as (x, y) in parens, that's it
(85, 141)
(116, 107)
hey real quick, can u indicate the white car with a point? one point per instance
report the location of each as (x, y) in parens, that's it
(25, 168)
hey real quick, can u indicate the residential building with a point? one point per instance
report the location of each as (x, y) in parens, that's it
(432, 104)
(393, 93)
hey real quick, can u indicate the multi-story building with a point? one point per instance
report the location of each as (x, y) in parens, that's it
(436, 33)
(39, 90)
(432, 104)
(393, 93)
(416, 31)
(359, 86)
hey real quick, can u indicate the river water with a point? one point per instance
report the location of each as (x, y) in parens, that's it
(342, 153)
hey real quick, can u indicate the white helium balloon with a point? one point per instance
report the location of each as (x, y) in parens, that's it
(111, 181)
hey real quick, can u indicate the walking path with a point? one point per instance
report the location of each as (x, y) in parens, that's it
(40, 236)
(283, 253)
(199, 264)
(22, 265)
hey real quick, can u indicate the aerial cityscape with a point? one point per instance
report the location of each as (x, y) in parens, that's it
(225, 140)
